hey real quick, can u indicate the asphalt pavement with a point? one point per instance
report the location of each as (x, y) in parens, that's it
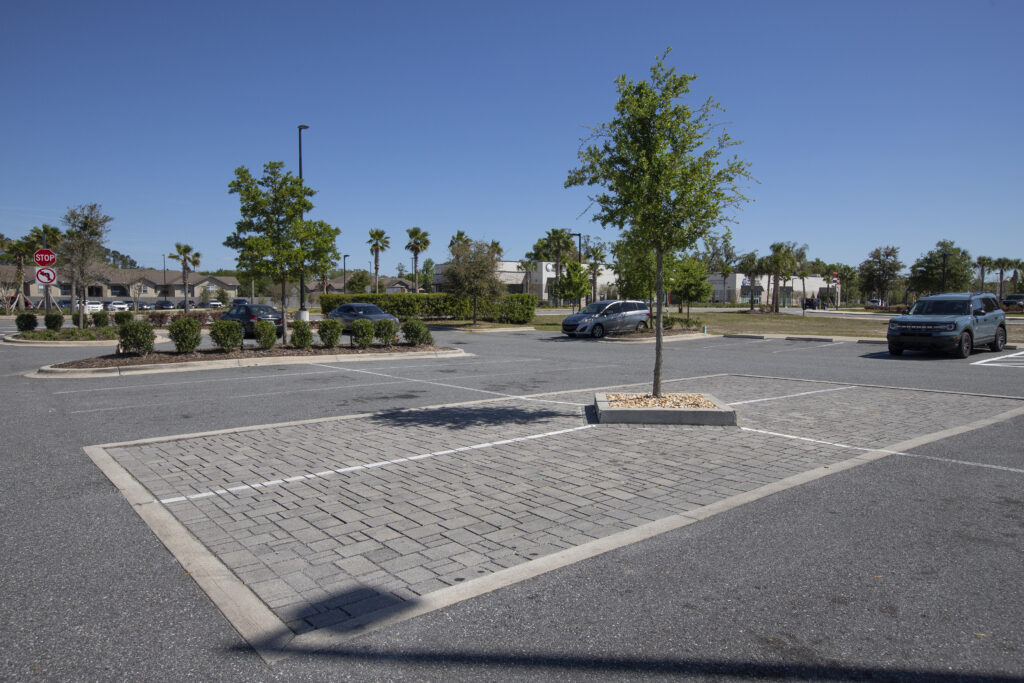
(903, 567)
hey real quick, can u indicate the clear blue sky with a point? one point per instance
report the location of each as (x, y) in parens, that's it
(866, 122)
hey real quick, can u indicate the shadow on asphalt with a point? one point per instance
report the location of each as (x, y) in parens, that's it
(910, 356)
(712, 668)
(349, 610)
(463, 417)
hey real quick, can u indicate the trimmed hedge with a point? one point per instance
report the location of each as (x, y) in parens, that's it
(159, 319)
(26, 322)
(122, 317)
(54, 321)
(82, 318)
(227, 334)
(517, 309)
(136, 336)
(186, 333)
(362, 332)
(384, 331)
(265, 333)
(302, 334)
(100, 318)
(330, 332)
(416, 333)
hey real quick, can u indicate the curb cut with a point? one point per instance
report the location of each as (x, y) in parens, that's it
(51, 372)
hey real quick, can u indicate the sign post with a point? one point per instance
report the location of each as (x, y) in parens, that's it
(45, 274)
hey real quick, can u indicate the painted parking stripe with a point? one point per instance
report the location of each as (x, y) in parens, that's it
(802, 393)
(935, 458)
(1013, 360)
(355, 468)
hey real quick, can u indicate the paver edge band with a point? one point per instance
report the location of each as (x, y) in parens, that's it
(881, 386)
(273, 640)
(51, 372)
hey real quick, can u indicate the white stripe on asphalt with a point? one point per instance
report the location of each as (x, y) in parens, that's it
(356, 468)
(998, 360)
(779, 398)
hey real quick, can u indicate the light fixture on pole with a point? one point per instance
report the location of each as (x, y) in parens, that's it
(303, 313)
(344, 273)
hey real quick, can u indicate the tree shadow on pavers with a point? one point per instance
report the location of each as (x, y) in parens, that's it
(347, 611)
(464, 417)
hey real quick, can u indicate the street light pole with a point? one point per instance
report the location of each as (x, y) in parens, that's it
(579, 249)
(344, 273)
(303, 313)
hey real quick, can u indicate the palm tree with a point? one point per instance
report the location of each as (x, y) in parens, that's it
(189, 260)
(378, 242)
(558, 242)
(459, 238)
(750, 266)
(782, 262)
(21, 250)
(984, 263)
(595, 254)
(418, 242)
(1003, 264)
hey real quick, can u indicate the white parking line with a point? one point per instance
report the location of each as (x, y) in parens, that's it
(1000, 361)
(812, 348)
(802, 393)
(356, 468)
(951, 461)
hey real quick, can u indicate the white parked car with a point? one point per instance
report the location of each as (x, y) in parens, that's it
(90, 306)
(117, 306)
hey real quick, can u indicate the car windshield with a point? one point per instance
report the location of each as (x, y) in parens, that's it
(940, 307)
(595, 308)
(366, 309)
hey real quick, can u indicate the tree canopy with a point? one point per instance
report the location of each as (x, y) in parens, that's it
(471, 272)
(947, 267)
(659, 165)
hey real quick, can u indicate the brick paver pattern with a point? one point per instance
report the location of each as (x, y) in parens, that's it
(327, 549)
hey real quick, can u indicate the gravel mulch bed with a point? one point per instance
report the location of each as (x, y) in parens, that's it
(664, 401)
(114, 360)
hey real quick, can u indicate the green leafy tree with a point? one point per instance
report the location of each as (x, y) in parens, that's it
(428, 274)
(594, 251)
(687, 280)
(947, 267)
(719, 256)
(471, 273)
(189, 259)
(634, 269)
(358, 282)
(558, 243)
(20, 251)
(573, 284)
(81, 249)
(379, 241)
(659, 164)
(272, 238)
(879, 272)
(419, 242)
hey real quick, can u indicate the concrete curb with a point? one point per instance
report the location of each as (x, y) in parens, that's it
(66, 344)
(652, 340)
(51, 372)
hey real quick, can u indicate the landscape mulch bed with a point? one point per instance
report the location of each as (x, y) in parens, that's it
(115, 360)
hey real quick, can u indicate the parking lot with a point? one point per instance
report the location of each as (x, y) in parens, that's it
(324, 506)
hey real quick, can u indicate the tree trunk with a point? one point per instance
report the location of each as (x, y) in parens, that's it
(284, 311)
(658, 333)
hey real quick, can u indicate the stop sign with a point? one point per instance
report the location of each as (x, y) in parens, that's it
(45, 257)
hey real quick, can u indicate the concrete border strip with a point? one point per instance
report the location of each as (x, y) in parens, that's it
(880, 386)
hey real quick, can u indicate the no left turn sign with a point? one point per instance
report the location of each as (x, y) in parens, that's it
(46, 276)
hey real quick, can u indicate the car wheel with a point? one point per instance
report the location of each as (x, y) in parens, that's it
(641, 326)
(895, 350)
(966, 346)
(597, 332)
(1000, 341)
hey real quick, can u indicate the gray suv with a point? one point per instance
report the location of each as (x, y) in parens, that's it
(606, 317)
(953, 323)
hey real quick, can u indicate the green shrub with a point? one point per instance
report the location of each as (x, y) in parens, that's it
(667, 321)
(186, 333)
(80, 319)
(265, 333)
(26, 322)
(384, 330)
(136, 336)
(199, 316)
(362, 332)
(122, 317)
(302, 334)
(416, 333)
(330, 332)
(54, 321)
(100, 318)
(405, 306)
(227, 334)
